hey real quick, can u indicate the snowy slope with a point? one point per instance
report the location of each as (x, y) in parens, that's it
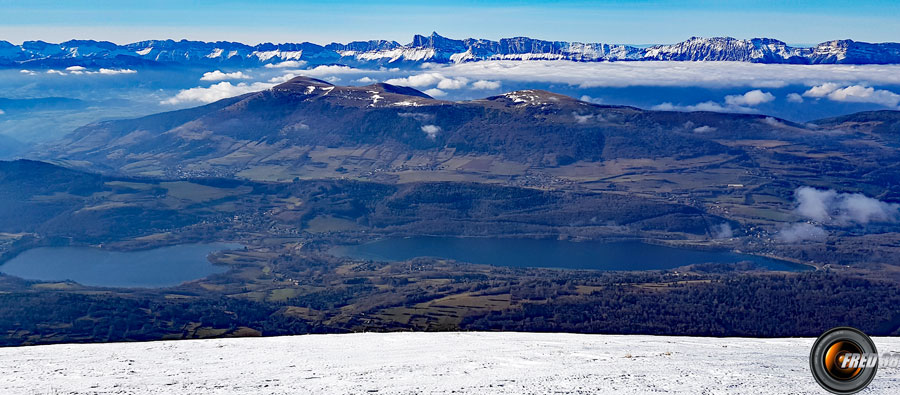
(425, 363)
(433, 48)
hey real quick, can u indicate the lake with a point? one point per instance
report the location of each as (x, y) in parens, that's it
(591, 255)
(158, 267)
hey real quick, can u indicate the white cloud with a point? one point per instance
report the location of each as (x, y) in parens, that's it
(117, 71)
(418, 80)
(582, 118)
(29, 72)
(802, 231)
(450, 83)
(794, 98)
(366, 80)
(80, 70)
(704, 129)
(821, 90)
(704, 74)
(854, 94)
(704, 106)
(76, 69)
(595, 100)
(814, 203)
(2, 112)
(419, 116)
(832, 207)
(862, 94)
(281, 79)
(486, 85)
(430, 79)
(220, 76)
(434, 92)
(326, 73)
(751, 98)
(215, 92)
(774, 122)
(321, 71)
(431, 131)
(668, 106)
(286, 64)
(722, 231)
(707, 106)
(733, 103)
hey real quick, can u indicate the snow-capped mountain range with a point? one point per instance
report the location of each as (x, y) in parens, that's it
(433, 48)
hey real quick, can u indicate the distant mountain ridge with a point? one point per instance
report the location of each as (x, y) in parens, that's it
(433, 48)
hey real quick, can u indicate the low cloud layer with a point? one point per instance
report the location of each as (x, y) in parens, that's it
(81, 70)
(289, 64)
(844, 209)
(116, 71)
(418, 80)
(282, 78)
(803, 231)
(330, 71)
(794, 98)
(595, 100)
(435, 92)
(582, 119)
(751, 98)
(215, 92)
(679, 74)
(833, 208)
(431, 131)
(436, 80)
(722, 231)
(853, 94)
(486, 85)
(218, 75)
(839, 83)
(704, 106)
(848, 83)
(733, 103)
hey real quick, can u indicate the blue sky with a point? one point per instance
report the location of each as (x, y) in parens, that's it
(635, 22)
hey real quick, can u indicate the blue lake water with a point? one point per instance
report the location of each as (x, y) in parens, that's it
(551, 253)
(158, 267)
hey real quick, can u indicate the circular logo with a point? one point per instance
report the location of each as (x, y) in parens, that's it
(843, 360)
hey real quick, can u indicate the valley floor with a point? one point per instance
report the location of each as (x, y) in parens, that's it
(425, 363)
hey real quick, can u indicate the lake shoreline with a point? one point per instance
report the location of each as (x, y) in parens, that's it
(160, 267)
(645, 250)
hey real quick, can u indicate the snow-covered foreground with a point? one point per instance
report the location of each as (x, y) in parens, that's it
(424, 363)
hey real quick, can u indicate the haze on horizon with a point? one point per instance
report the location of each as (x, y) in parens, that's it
(627, 22)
